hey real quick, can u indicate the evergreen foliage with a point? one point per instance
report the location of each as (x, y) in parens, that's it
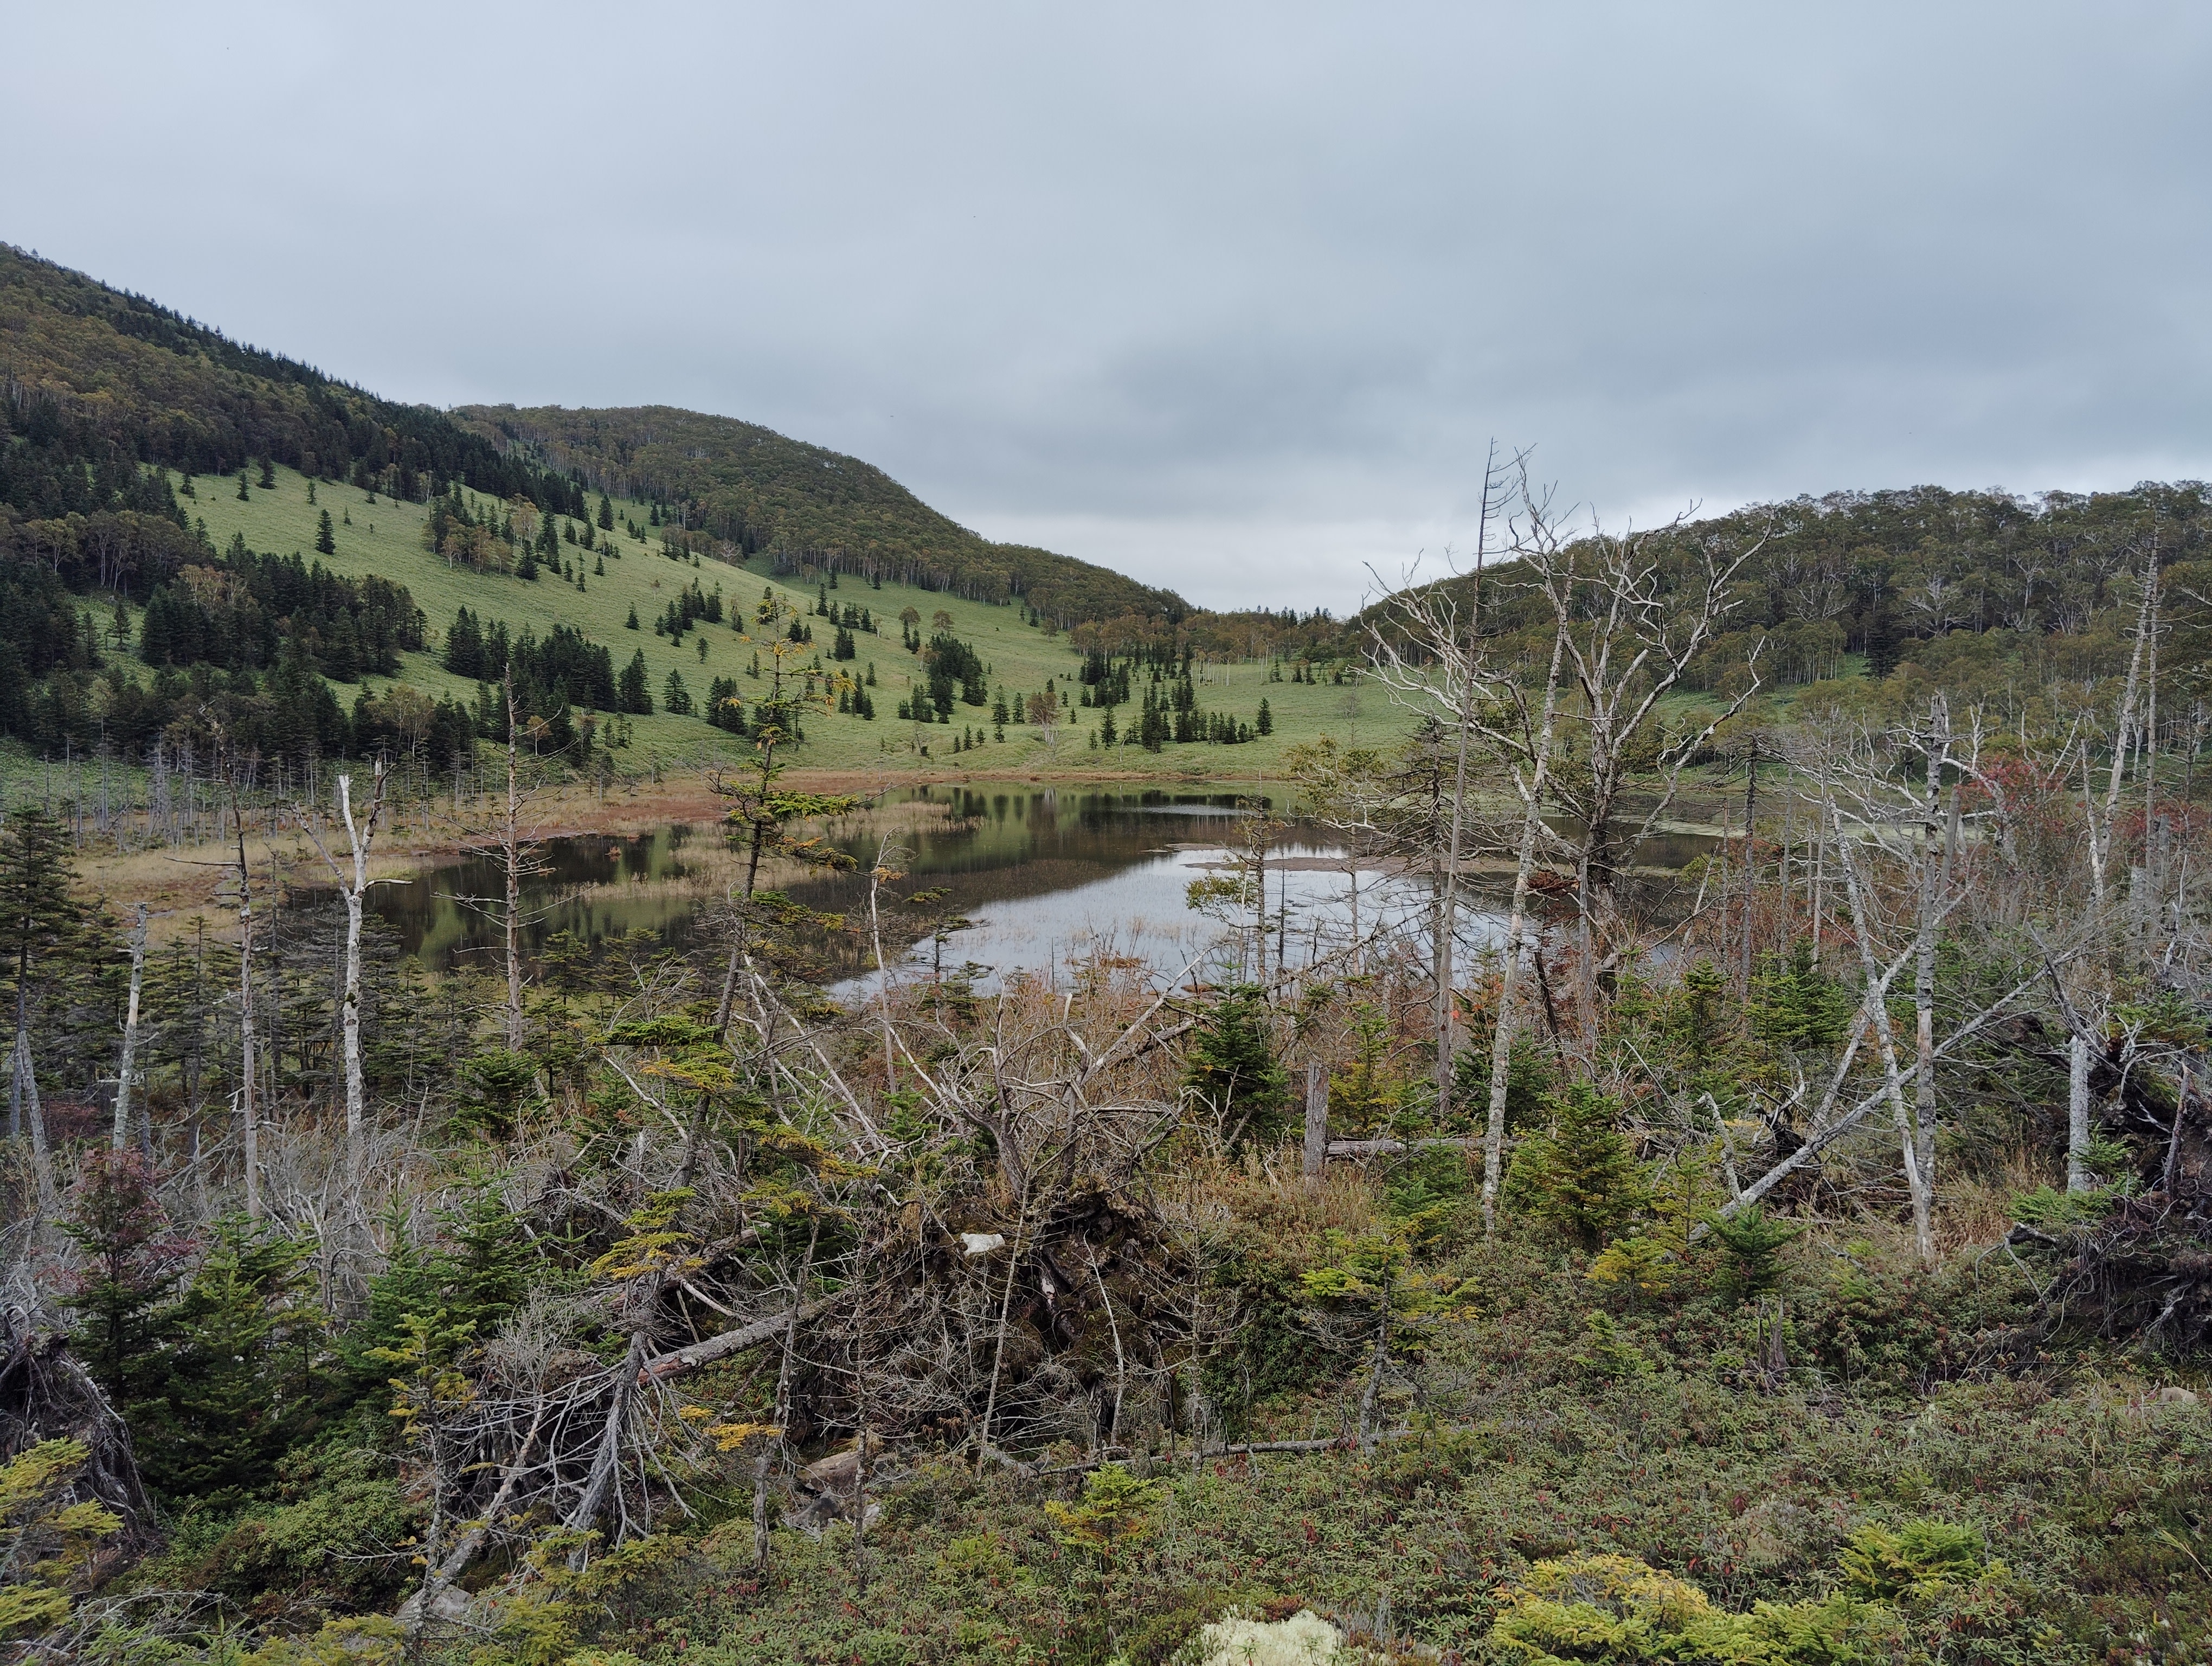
(1233, 1070)
(1579, 1176)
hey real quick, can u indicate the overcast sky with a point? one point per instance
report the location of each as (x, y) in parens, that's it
(1230, 297)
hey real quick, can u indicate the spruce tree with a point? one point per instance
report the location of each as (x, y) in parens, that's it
(636, 689)
(42, 924)
(239, 1345)
(268, 474)
(244, 496)
(1582, 1176)
(606, 514)
(131, 1262)
(1233, 1069)
(326, 542)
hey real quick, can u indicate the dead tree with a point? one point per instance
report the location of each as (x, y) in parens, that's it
(360, 834)
(125, 1070)
(1427, 652)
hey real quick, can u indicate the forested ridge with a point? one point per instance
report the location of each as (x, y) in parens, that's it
(757, 491)
(97, 381)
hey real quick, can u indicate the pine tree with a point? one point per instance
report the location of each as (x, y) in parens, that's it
(326, 542)
(636, 689)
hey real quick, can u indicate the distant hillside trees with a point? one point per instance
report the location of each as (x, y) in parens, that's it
(238, 615)
(954, 668)
(725, 487)
(100, 382)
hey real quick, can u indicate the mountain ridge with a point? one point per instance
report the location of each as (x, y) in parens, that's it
(101, 382)
(763, 492)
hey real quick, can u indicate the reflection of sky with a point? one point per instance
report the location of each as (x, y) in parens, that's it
(1142, 913)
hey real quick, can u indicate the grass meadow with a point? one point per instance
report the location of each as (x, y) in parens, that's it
(385, 537)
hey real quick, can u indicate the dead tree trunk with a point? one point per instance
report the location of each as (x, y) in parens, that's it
(1934, 882)
(1923, 1234)
(246, 1052)
(1501, 1039)
(121, 1136)
(510, 846)
(360, 834)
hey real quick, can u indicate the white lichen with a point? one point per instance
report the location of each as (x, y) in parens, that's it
(1304, 1639)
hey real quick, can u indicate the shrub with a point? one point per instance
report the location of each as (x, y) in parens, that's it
(1616, 1609)
(1918, 1556)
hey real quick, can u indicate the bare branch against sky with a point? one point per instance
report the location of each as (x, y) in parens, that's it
(1230, 297)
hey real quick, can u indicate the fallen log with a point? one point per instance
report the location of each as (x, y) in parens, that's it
(1392, 1147)
(662, 1366)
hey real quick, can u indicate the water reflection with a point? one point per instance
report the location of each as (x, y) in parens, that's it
(594, 885)
(1042, 876)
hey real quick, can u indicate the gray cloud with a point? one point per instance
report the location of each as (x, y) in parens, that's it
(1229, 296)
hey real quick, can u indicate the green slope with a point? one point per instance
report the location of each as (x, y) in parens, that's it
(761, 492)
(385, 537)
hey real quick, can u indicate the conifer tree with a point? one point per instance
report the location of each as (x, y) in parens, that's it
(1581, 1176)
(132, 1260)
(41, 925)
(635, 688)
(606, 514)
(326, 540)
(1233, 1069)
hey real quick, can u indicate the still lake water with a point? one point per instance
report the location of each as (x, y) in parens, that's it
(1043, 878)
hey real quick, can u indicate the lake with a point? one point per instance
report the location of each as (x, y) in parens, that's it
(1039, 877)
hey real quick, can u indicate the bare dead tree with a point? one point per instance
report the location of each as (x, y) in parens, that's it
(361, 834)
(1635, 609)
(124, 1074)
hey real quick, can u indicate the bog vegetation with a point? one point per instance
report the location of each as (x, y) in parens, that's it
(1804, 1255)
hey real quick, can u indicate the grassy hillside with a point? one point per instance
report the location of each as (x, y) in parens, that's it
(766, 494)
(384, 536)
